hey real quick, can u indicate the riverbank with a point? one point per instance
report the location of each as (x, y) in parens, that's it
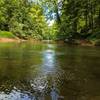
(10, 40)
(6, 36)
(85, 42)
(74, 42)
(18, 40)
(89, 42)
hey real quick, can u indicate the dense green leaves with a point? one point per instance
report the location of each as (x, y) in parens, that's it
(80, 17)
(23, 18)
(72, 18)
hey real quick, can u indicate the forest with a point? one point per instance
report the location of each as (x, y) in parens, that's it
(49, 49)
(66, 20)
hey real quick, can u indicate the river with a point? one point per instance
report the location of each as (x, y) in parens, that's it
(40, 71)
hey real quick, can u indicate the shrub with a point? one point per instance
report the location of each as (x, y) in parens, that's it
(97, 42)
(6, 34)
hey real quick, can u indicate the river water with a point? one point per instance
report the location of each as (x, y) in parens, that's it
(49, 72)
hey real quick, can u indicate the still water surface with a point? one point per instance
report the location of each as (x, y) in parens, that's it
(49, 72)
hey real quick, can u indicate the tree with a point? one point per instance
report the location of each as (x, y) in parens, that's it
(23, 18)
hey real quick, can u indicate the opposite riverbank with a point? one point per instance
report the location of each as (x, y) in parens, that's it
(9, 37)
(75, 42)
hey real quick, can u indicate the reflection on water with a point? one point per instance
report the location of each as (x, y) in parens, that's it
(16, 95)
(49, 72)
(48, 61)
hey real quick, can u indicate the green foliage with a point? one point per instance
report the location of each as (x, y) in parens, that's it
(96, 34)
(6, 34)
(97, 42)
(73, 18)
(23, 18)
(80, 16)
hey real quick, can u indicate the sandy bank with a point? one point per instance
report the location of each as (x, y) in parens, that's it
(10, 40)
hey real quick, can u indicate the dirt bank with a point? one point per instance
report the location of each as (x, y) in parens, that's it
(9, 40)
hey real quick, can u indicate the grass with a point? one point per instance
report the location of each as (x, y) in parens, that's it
(6, 34)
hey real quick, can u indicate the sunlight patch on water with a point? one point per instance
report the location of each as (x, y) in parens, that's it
(15, 95)
(48, 64)
(39, 84)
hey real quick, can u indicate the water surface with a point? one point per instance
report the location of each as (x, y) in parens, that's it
(49, 72)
